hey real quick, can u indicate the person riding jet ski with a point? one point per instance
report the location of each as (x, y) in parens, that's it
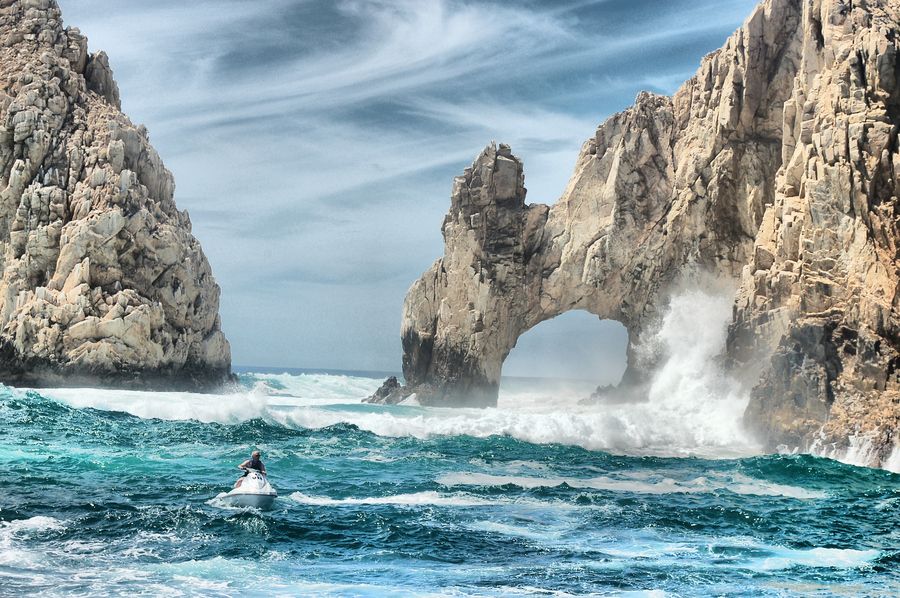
(254, 462)
(252, 489)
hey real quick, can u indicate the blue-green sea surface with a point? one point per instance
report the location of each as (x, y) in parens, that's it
(110, 493)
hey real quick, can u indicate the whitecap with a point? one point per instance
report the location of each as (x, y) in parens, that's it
(174, 406)
(642, 485)
(833, 558)
(412, 499)
(12, 533)
(331, 387)
(30, 525)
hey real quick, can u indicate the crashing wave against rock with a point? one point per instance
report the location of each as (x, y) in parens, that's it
(102, 281)
(776, 166)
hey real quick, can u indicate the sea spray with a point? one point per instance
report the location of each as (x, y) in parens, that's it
(689, 389)
(861, 450)
(690, 405)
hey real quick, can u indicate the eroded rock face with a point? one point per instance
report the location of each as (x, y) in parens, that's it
(774, 166)
(102, 281)
(822, 284)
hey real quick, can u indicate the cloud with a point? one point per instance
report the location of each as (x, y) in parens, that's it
(385, 49)
(314, 141)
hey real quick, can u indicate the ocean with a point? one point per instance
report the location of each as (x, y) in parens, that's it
(112, 493)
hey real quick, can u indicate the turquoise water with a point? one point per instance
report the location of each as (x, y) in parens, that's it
(110, 493)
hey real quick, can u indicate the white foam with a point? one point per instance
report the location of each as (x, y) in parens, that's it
(268, 577)
(412, 499)
(32, 524)
(558, 422)
(412, 400)
(306, 390)
(649, 550)
(861, 451)
(227, 408)
(620, 546)
(692, 402)
(78, 547)
(332, 387)
(829, 558)
(12, 533)
(737, 484)
(573, 425)
(743, 553)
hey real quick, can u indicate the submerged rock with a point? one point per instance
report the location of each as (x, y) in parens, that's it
(776, 166)
(102, 281)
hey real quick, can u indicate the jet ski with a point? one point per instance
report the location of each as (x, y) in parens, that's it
(254, 491)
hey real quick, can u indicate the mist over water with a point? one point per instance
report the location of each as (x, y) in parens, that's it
(690, 392)
(690, 405)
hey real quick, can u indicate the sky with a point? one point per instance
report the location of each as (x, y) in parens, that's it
(314, 143)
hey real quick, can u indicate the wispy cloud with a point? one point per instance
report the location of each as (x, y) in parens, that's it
(314, 141)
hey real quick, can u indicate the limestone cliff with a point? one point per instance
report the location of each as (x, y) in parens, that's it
(102, 281)
(774, 166)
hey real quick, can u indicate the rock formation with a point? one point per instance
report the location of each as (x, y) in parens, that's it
(775, 166)
(102, 281)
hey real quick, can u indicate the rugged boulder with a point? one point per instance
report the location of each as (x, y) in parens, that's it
(776, 167)
(389, 393)
(102, 281)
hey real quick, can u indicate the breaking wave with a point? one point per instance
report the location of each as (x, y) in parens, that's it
(691, 407)
(737, 484)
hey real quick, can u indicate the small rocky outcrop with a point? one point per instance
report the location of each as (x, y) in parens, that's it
(102, 281)
(389, 393)
(777, 166)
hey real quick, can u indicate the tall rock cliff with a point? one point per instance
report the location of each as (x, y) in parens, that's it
(102, 281)
(773, 167)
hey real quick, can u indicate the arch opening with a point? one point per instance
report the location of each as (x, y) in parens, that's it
(566, 357)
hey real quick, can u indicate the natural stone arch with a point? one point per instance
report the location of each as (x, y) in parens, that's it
(464, 316)
(509, 266)
(670, 184)
(776, 165)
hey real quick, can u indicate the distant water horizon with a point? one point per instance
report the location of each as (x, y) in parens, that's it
(276, 369)
(382, 374)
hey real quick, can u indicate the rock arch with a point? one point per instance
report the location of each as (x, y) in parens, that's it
(623, 230)
(672, 183)
(776, 166)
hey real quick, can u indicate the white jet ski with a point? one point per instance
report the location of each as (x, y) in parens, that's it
(254, 491)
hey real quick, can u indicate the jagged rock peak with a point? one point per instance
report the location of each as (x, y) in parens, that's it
(102, 281)
(776, 166)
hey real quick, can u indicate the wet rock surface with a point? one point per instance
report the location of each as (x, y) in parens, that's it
(389, 393)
